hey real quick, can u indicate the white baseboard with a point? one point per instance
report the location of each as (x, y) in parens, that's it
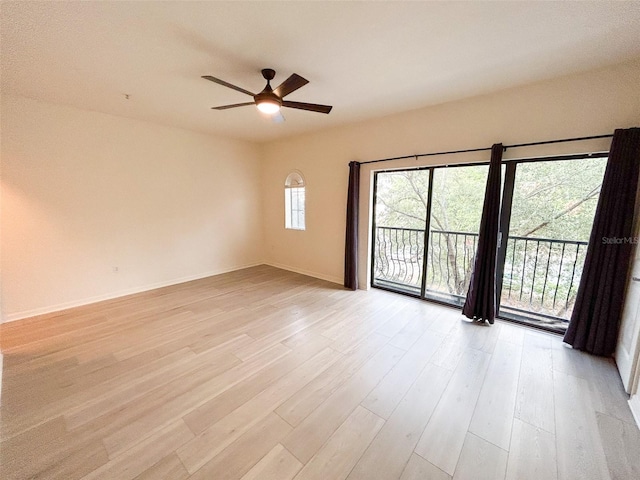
(11, 317)
(321, 276)
(634, 404)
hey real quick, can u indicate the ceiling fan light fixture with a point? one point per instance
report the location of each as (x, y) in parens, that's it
(269, 100)
(268, 107)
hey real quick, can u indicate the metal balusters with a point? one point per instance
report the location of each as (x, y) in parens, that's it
(555, 294)
(398, 264)
(573, 273)
(513, 263)
(544, 287)
(398, 256)
(535, 267)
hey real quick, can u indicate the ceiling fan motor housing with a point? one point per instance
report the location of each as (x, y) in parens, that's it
(268, 74)
(267, 94)
(269, 100)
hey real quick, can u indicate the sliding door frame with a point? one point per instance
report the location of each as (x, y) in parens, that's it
(504, 226)
(427, 229)
(503, 229)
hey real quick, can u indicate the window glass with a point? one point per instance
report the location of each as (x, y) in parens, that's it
(294, 202)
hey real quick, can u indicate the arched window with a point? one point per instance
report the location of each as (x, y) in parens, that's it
(294, 201)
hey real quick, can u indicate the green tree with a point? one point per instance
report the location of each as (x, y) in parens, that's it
(554, 200)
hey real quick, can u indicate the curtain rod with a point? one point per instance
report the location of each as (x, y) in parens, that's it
(505, 147)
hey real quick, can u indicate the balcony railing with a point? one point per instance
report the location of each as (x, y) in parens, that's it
(541, 275)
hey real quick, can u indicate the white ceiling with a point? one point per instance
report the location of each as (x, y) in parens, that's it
(367, 59)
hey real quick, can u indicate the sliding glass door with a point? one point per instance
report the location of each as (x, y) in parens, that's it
(426, 224)
(446, 202)
(457, 196)
(401, 202)
(552, 209)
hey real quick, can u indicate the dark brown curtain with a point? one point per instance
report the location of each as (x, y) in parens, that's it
(351, 241)
(598, 308)
(480, 303)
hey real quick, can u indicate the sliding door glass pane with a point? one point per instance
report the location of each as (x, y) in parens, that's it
(400, 213)
(458, 196)
(552, 213)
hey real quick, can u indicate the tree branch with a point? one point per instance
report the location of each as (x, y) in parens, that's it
(571, 207)
(400, 212)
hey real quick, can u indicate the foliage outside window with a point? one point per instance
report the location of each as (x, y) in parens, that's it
(294, 202)
(551, 215)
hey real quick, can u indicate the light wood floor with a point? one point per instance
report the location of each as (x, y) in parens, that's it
(263, 374)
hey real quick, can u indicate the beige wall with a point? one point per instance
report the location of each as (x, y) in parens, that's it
(84, 192)
(580, 105)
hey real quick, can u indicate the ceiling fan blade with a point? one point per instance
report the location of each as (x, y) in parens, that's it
(277, 118)
(272, 117)
(312, 107)
(227, 84)
(226, 107)
(291, 84)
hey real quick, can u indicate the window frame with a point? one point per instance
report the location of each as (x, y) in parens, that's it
(295, 201)
(510, 166)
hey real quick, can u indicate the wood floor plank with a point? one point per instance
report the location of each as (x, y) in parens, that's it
(409, 334)
(129, 335)
(486, 337)
(341, 452)
(580, 453)
(532, 455)
(77, 464)
(420, 469)
(394, 324)
(169, 468)
(177, 328)
(220, 406)
(120, 370)
(493, 416)
(214, 439)
(455, 343)
(240, 456)
(512, 333)
(140, 406)
(145, 454)
(608, 394)
(68, 452)
(570, 361)
(46, 452)
(177, 407)
(300, 405)
(535, 403)
(216, 333)
(304, 337)
(444, 436)
(347, 342)
(117, 389)
(621, 443)
(447, 320)
(20, 456)
(113, 398)
(307, 438)
(194, 335)
(278, 464)
(480, 460)
(388, 454)
(277, 336)
(15, 422)
(351, 323)
(385, 397)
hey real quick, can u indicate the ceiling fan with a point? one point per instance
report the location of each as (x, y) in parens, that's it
(270, 100)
